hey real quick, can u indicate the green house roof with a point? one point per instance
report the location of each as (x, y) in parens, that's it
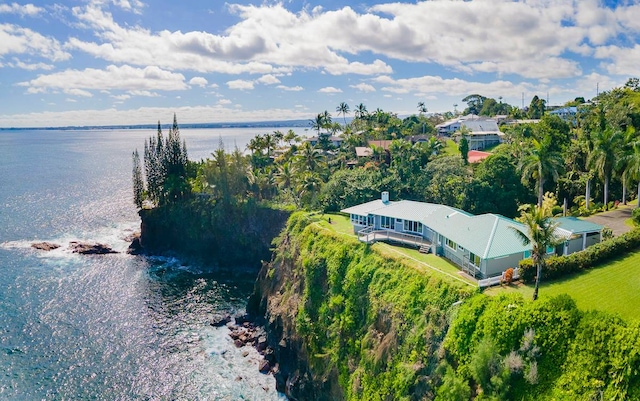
(574, 225)
(488, 235)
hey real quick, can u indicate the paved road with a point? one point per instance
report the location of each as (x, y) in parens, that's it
(613, 219)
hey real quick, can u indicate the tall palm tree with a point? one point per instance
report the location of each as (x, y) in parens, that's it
(343, 108)
(539, 231)
(317, 123)
(422, 108)
(361, 111)
(540, 162)
(605, 151)
(632, 165)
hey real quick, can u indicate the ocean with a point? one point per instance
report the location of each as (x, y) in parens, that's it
(108, 327)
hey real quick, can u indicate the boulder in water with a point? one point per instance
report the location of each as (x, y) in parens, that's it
(86, 248)
(45, 246)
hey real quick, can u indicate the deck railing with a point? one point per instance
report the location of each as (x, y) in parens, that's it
(369, 235)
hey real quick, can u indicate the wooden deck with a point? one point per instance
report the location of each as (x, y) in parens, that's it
(369, 236)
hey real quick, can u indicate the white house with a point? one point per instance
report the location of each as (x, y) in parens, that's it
(483, 245)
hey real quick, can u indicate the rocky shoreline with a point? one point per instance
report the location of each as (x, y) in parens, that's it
(244, 331)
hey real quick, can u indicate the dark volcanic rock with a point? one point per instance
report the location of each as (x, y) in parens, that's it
(85, 248)
(265, 367)
(220, 320)
(135, 248)
(45, 246)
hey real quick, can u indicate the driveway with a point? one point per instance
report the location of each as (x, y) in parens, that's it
(614, 219)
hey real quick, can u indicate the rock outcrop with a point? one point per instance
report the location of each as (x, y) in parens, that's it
(45, 246)
(88, 248)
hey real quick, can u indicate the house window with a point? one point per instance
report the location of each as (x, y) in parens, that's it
(451, 244)
(358, 220)
(386, 222)
(414, 226)
(474, 259)
(527, 254)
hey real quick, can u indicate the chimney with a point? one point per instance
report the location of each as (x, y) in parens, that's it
(385, 197)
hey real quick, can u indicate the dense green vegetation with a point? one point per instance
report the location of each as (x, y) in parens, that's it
(389, 331)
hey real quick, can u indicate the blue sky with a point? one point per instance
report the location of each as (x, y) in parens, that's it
(98, 62)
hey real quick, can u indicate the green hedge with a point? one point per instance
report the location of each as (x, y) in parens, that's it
(558, 266)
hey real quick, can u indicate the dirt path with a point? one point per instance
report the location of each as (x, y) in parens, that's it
(614, 219)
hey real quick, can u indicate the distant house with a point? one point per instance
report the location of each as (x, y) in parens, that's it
(336, 141)
(483, 246)
(567, 114)
(481, 132)
(367, 151)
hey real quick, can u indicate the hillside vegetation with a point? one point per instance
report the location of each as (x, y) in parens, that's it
(369, 327)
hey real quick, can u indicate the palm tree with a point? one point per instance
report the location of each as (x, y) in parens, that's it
(361, 111)
(632, 165)
(539, 163)
(285, 175)
(343, 109)
(291, 136)
(422, 108)
(539, 231)
(606, 150)
(317, 123)
(309, 158)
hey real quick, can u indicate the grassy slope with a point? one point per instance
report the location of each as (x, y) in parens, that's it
(420, 261)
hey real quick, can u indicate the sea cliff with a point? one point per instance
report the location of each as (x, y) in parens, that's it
(216, 233)
(348, 323)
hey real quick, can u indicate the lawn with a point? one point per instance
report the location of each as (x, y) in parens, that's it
(612, 287)
(451, 148)
(411, 257)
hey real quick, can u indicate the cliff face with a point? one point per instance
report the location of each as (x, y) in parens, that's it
(223, 235)
(347, 323)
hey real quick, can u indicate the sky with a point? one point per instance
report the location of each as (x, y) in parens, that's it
(115, 62)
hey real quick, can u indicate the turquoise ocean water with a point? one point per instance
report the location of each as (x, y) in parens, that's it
(112, 327)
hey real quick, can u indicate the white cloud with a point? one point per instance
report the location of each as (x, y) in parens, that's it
(192, 114)
(428, 85)
(224, 101)
(70, 100)
(18, 40)
(145, 93)
(78, 92)
(23, 10)
(198, 81)
(268, 79)
(330, 89)
(121, 97)
(362, 87)
(29, 66)
(620, 60)
(113, 77)
(240, 84)
(290, 88)
(214, 86)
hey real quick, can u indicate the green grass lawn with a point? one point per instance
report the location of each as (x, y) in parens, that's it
(451, 148)
(423, 262)
(612, 287)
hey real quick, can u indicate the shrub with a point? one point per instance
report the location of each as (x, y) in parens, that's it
(558, 266)
(508, 275)
(635, 215)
